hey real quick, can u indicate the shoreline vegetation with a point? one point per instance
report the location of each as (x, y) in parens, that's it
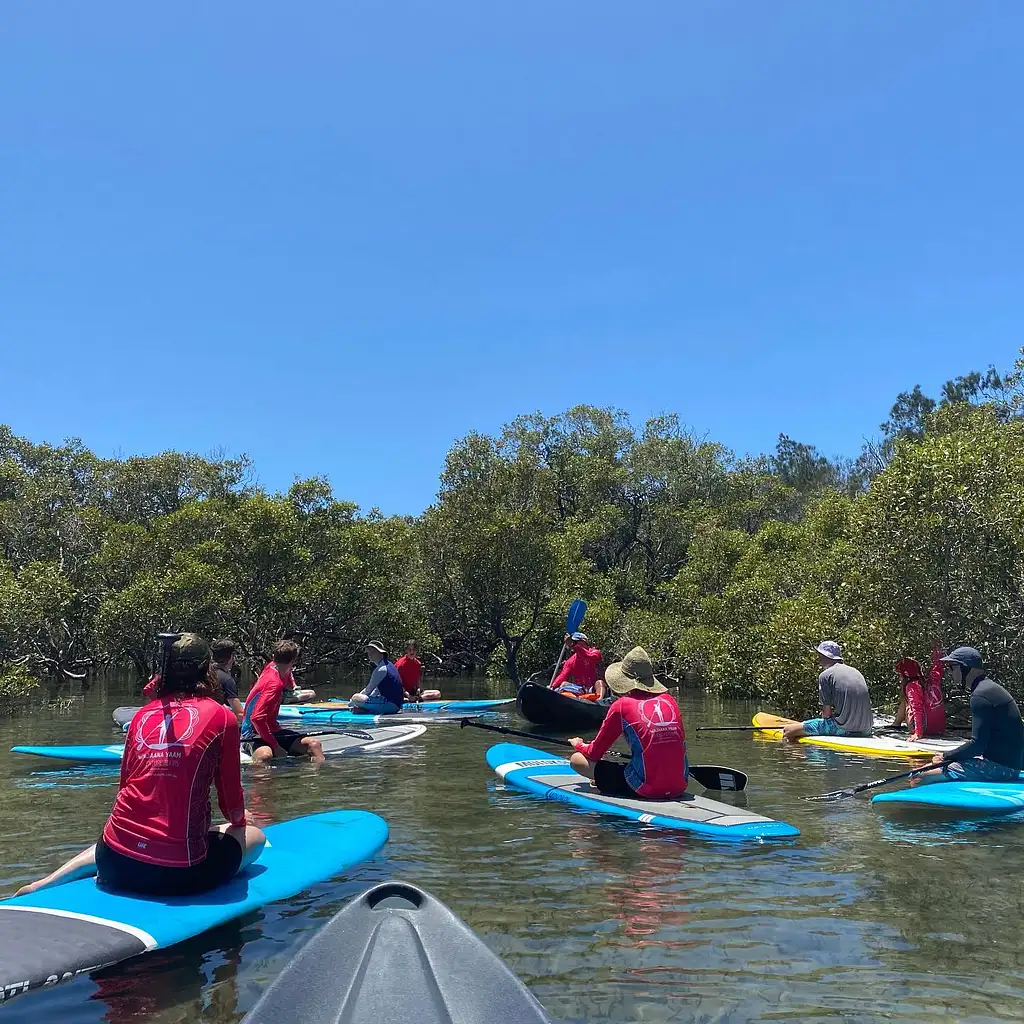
(727, 569)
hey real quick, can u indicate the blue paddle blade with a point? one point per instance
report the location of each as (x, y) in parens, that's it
(575, 617)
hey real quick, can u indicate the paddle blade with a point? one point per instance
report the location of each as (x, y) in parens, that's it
(713, 776)
(574, 619)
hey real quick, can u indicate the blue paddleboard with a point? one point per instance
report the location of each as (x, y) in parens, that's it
(83, 754)
(965, 798)
(54, 934)
(541, 774)
(292, 715)
(433, 705)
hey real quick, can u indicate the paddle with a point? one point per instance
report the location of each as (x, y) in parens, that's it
(709, 776)
(737, 728)
(573, 621)
(839, 794)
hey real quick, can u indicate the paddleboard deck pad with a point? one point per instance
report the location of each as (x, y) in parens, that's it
(868, 746)
(957, 799)
(54, 934)
(340, 744)
(539, 773)
(396, 954)
(312, 717)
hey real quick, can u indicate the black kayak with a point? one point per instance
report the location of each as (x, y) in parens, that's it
(396, 955)
(543, 706)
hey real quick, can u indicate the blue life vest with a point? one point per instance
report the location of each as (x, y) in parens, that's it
(391, 686)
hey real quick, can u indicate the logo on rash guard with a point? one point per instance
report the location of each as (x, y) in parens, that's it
(657, 715)
(155, 726)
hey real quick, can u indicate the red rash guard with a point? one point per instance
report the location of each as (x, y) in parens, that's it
(917, 717)
(263, 704)
(149, 690)
(935, 706)
(410, 670)
(174, 750)
(582, 666)
(654, 731)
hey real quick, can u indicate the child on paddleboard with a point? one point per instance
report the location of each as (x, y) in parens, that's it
(921, 705)
(649, 718)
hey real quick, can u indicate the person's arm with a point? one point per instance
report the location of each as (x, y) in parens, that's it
(825, 694)
(261, 719)
(935, 675)
(149, 690)
(228, 779)
(567, 666)
(915, 697)
(238, 707)
(981, 732)
(610, 731)
(376, 677)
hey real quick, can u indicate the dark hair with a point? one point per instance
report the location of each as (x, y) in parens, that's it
(285, 652)
(410, 643)
(190, 678)
(222, 649)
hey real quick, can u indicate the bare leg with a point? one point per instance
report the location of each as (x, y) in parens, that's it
(310, 747)
(82, 865)
(250, 838)
(580, 764)
(793, 732)
(263, 753)
(430, 695)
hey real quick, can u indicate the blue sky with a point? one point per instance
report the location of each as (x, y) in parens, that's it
(339, 236)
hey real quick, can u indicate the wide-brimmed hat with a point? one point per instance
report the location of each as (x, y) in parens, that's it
(634, 672)
(829, 649)
(374, 645)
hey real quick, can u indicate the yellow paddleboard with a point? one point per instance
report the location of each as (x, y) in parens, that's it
(869, 746)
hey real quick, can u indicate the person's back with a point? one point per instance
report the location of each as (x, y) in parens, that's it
(842, 688)
(934, 702)
(259, 717)
(173, 754)
(653, 729)
(997, 724)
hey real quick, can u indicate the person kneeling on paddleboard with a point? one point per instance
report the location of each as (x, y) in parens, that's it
(264, 738)
(582, 666)
(649, 718)
(158, 839)
(921, 705)
(845, 704)
(995, 751)
(383, 694)
(410, 671)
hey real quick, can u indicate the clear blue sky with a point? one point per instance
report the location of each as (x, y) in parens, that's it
(337, 236)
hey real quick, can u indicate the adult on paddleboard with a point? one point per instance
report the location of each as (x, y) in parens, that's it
(264, 738)
(223, 654)
(922, 707)
(579, 674)
(845, 704)
(383, 693)
(158, 839)
(995, 751)
(410, 671)
(649, 718)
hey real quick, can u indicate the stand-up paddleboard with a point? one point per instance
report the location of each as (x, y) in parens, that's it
(957, 799)
(341, 703)
(396, 954)
(319, 716)
(340, 744)
(53, 934)
(541, 774)
(869, 746)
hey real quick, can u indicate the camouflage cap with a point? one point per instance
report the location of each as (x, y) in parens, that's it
(191, 648)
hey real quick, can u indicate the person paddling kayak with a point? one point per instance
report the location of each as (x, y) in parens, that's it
(921, 706)
(158, 838)
(264, 738)
(383, 693)
(582, 667)
(995, 751)
(649, 718)
(845, 704)
(410, 671)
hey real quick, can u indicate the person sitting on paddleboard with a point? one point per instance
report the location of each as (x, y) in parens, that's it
(995, 751)
(845, 704)
(223, 653)
(410, 671)
(383, 694)
(158, 839)
(264, 738)
(921, 705)
(649, 718)
(582, 666)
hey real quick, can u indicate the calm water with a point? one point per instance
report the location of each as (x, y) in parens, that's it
(862, 917)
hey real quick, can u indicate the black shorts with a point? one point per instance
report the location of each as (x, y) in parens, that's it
(610, 779)
(285, 738)
(126, 874)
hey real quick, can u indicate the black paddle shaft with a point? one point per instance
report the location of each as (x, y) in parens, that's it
(709, 776)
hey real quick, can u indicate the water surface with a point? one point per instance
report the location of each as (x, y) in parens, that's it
(863, 917)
